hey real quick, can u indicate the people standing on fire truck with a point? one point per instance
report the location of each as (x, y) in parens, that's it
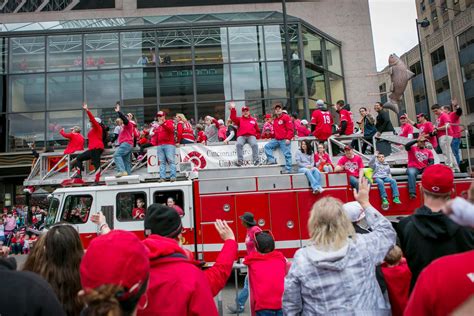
(163, 137)
(122, 155)
(406, 129)
(321, 122)
(345, 118)
(249, 222)
(367, 125)
(352, 164)
(305, 160)
(95, 147)
(283, 129)
(454, 111)
(426, 129)
(267, 129)
(445, 135)
(419, 157)
(76, 140)
(184, 130)
(211, 129)
(429, 234)
(247, 131)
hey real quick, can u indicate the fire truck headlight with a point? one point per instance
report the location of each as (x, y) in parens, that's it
(226, 208)
(261, 222)
(290, 224)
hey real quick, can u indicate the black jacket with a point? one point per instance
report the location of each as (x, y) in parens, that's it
(426, 236)
(25, 293)
(383, 123)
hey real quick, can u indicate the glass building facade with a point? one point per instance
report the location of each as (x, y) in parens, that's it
(191, 64)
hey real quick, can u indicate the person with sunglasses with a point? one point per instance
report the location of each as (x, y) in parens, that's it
(247, 131)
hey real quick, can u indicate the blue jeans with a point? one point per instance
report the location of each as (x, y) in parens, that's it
(354, 182)
(455, 144)
(269, 312)
(393, 184)
(166, 154)
(122, 158)
(412, 174)
(314, 177)
(285, 150)
(243, 295)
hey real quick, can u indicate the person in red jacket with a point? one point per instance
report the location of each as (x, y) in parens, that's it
(201, 135)
(444, 132)
(76, 140)
(454, 111)
(397, 276)
(321, 122)
(95, 148)
(267, 130)
(283, 129)
(345, 118)
(267, 270)
(185, 133)
(247, 131)
(163, 137)
(126, 141)
(406, 129)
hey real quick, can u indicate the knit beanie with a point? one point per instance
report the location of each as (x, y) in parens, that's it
(162, 220)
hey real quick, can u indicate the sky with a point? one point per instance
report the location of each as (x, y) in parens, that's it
(393, 28)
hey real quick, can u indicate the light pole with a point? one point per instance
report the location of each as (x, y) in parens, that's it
(291, 108)
(424, 24)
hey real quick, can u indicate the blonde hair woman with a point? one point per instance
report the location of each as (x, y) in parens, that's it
(335, 273)
(185, 133)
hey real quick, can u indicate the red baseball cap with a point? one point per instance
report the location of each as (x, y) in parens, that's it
(245, 108)
(160, 113)
(403, 117)
(278, 104)
(117, 258)
(268, 116)
(347, 147)
(438, 179)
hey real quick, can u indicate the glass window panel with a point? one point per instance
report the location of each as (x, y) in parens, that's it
(210, 45)
(316, 85)
(143, 114)
(65, 52)
(3, 94)
(65, 91)
(297, 78)
(3, 133)
(138, 49)
(214, 109)
(257, 108)
(27, 54)
(101, 51)
(176, 84)
(274, 42)
(27, 93)
(246, 43)
(175, 47)
(3, 54)
(213, 83)
(24, 129)
(312, 48)
(185, 108)
(333, 56)
(62, 119)
(248, 81)
(276, 80)
(139, 86)
(336, 85)
(102, 88)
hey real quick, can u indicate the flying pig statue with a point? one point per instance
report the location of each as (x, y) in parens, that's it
(399, 75)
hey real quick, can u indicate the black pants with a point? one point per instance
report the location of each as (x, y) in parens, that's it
(142, 148)
(91, 154)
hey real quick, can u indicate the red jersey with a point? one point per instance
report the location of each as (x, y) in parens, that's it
(76, 142)
(283, 128)
(419, 158)
(397, 279)
(323, 124)
(185, 131)
(427, 128)
(250, 239)
(351, 166)
(406, 130)
(138, 213)
(319, 158)
(455, 119)
(441, 121)
(345, 115)
(202, 138)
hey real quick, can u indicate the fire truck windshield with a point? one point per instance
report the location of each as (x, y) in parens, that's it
(52, 211)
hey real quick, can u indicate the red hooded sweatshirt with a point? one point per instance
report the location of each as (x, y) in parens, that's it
(247, 126)
(164, 134)
(267, 279)
(397, 279)
(76, 142)
(176, 286)
(95, 134)
(283, 127)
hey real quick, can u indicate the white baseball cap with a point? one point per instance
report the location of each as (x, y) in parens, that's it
(354, 211)
(320, 102)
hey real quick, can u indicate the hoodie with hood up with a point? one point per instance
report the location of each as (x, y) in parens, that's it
(342, 281)
(176, 285)
(427, 235)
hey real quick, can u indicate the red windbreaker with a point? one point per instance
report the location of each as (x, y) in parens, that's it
(267, 279)
(246, 126)
(95, 134)
(185, 131)
(163, 134)
(176, 285)
(283, 127)
(76, 142)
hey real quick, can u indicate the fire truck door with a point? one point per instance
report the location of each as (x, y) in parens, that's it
(129, 208)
